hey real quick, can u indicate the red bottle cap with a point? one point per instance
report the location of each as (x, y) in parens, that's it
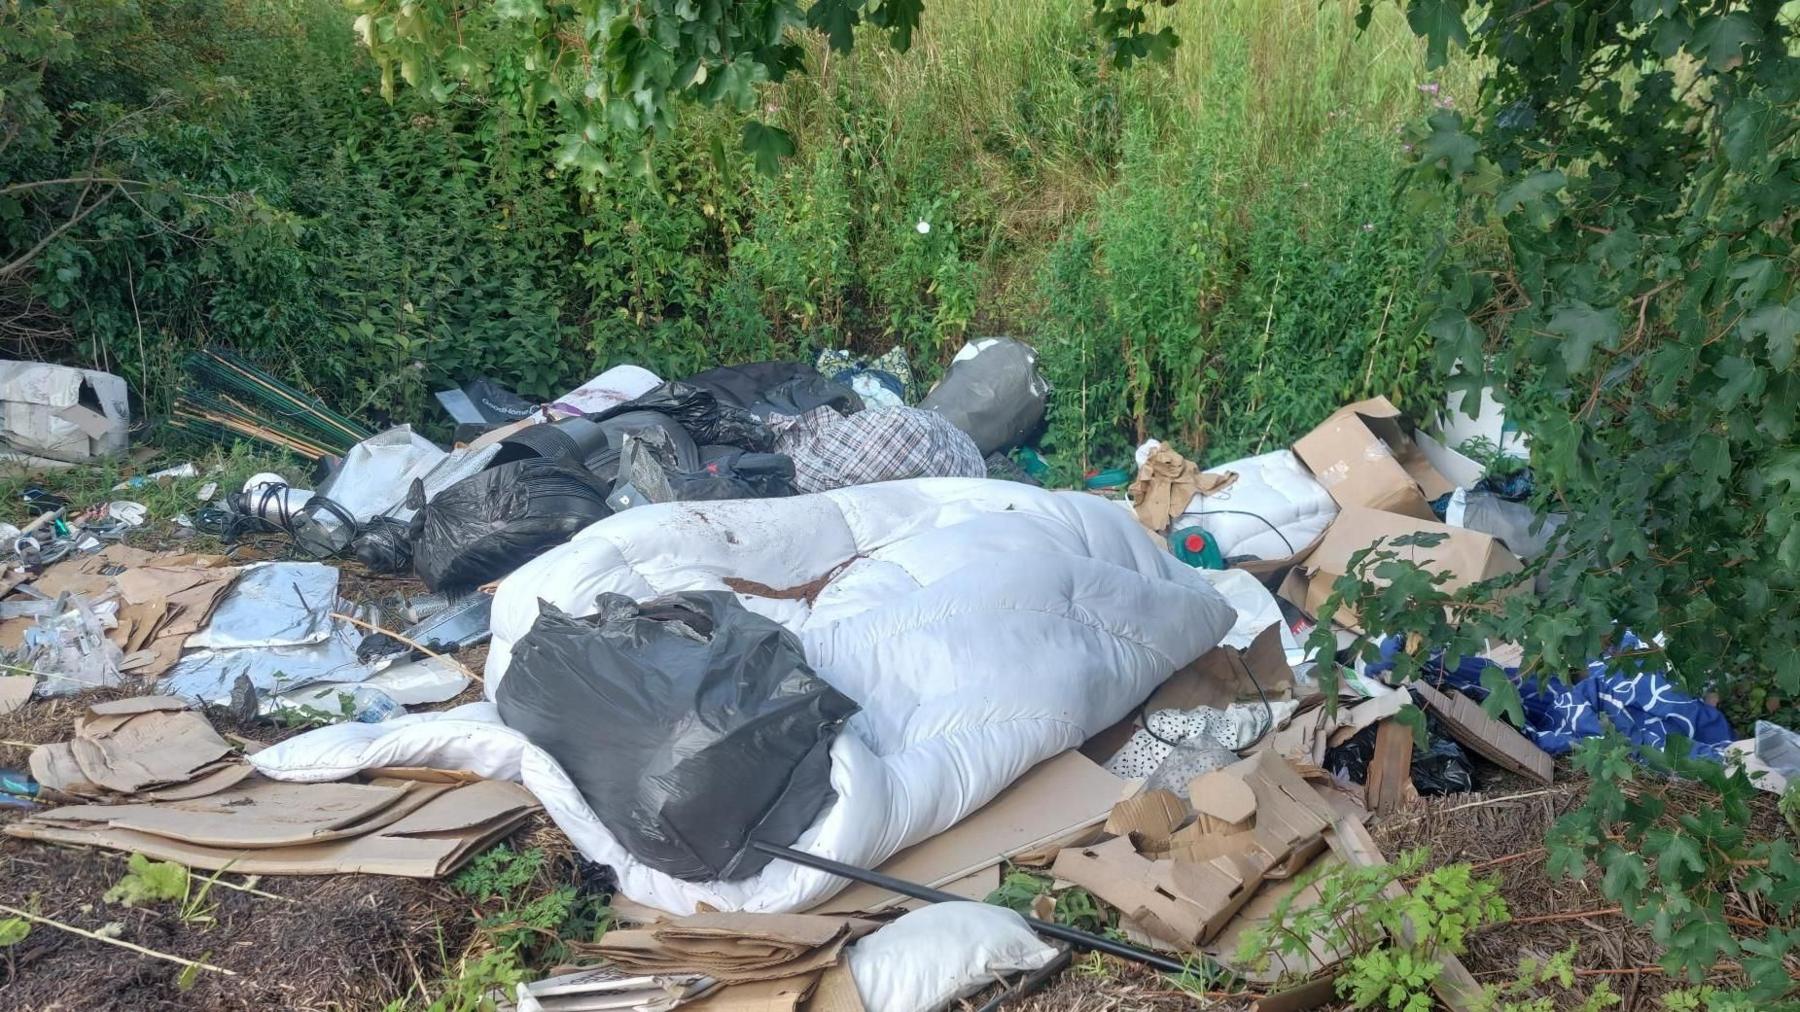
(1195, 542)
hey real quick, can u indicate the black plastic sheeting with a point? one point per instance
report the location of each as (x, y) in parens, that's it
(489, 524)
(1440, 768)
(707, 419)
(777, 388)
(690, 724)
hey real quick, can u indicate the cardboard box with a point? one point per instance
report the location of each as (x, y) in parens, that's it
(1364, 455)
(63, 413)
(1466, 556)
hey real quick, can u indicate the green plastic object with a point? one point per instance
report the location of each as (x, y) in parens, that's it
(1196, 548)
(1034, 465)
(1112, 477)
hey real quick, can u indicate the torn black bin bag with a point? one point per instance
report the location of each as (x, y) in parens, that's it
(384, 545)
(777, 388)
(491, 523)
(690, 724)
(566, 441)
(731, 473)
(704, 416)
(1442, 767)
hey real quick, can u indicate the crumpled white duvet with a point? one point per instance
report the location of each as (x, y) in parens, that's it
(983, 626)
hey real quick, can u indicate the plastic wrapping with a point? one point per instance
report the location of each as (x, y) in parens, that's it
(378, 472)
(994, 392)
(777, 388)
(689, 725)
(706, 418)
(273, 604)
(488, 525)
(1514, 523)
(1779, 749)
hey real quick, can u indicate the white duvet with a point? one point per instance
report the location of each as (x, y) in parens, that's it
(983, 626)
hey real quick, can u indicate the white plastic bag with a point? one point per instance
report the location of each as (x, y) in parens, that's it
(937, 954)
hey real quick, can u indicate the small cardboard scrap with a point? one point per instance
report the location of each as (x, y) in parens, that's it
(1300, 998)
(1223, 803)
(14, 691)
(1055, 799)
(1465, 557)
(1364, 455)
(454, 823)
(1290, 818)
(836, 992)
(1351, 720)
(1179, 902)
(1495, 740)
(1390, 768)
(605, 988)
(1165, 485)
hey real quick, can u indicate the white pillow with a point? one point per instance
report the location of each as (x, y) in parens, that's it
(939, 953)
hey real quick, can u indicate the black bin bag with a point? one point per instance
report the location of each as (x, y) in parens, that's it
(690, 724)
(491, 523)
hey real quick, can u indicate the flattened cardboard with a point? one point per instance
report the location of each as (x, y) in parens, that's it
(129, 752)
(434, 841)
(256, 814)
(836, 992)
(787, 994)
(733, 948)
(1222, 803)
(1262, 906)
(1055, 799)
(1290, 818)
(1184, 914)
(1364, 455)
(1465, 556)
(1302, 998)
(14, 691)
(1351, 720)
(1495, 740)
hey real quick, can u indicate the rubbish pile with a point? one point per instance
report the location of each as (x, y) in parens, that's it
(771, 644)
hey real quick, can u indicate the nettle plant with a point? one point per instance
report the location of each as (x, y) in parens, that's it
(1634, 167)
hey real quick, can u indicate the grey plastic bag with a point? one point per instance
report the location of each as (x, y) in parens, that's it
(994, 392)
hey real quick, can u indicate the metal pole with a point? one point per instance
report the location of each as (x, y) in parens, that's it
(1062, 932)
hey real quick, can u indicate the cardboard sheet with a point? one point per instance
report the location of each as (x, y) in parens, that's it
(1364, 455)
(1054, 799)
(433, 841)
(733, 948)
(132, 751)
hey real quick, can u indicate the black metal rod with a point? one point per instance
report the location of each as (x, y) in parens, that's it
(1062, 932)
(1031, 982)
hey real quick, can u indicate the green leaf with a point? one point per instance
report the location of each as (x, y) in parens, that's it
(1748, 124)
(1503, 698)
(1530, 190)
(13, 930)
(1720, 39)
(1582, 327)
(1779, 326)
(838, 20)
(1741, 377)
(1413, 717)
(900, 18)
(767, 145)
(1441, 23)
(1448, 143)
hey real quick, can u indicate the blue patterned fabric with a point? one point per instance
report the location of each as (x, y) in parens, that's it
(1643, 705)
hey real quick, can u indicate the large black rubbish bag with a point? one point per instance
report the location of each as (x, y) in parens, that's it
(994, 392)
(706, 418)
(491, 523)
(690, 724)
(784, 388)
(731, 473)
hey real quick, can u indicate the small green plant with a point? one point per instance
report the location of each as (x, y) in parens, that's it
(1020, 890)
(1523, 993)
(501, 873)
(1391, 938)
(147, 881)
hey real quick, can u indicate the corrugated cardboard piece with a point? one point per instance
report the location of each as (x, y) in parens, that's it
(1364, 455)
(14, 691)
(1465, 556)
(143, 746)
(1495, 740)
(733, 948)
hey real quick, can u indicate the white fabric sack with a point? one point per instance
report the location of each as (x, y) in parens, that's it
(1280, 508)
(983, 627)
(929, 958)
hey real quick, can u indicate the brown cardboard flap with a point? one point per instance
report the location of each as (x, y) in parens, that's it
(1495, 740)
(127, 752)
(1152, 815)
(1053, 800)
(1142, 889)
(256, 814)
(1255, 913)
(786, 994)
(836, 992)
(14, 691)
(1223, 802)
(1364, 455)
(1352, 720)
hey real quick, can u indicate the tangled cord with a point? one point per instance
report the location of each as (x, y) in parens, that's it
(281, 519)
(1268, 709)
